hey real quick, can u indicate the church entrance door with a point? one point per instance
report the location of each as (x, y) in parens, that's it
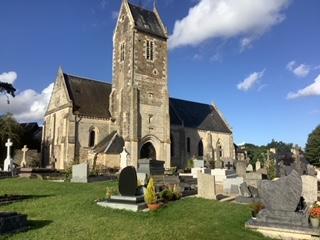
(148, 151)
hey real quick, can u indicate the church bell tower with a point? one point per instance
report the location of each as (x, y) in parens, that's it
(139, 98)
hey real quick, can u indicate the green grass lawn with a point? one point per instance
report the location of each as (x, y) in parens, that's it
(68, 211)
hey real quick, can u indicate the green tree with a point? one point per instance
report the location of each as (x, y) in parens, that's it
(312, 152)
(7, 88)
(9, 128)
(281, 147)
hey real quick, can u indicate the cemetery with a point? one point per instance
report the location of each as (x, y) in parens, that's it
(33, 202)
(126, 160)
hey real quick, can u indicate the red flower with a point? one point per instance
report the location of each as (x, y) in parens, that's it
(315, 212)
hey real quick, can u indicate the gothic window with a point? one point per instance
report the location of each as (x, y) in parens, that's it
(122, 52)
(149, 50)
(219, 150)
(188, 145)
(200, 149)
(92, 138)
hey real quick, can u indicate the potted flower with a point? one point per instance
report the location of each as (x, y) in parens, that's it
(315, 215)
(256, 207)
(151, 197)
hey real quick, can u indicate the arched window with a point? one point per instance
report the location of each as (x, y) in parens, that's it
(172, 146)
(219, 150)
(200, 149)
(92, 138)
(188, 145)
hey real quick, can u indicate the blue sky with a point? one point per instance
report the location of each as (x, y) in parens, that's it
(249, 57)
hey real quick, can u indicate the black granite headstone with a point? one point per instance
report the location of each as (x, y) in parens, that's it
(128, 181)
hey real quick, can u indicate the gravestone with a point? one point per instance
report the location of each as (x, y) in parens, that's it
(229, 182)
(249, 168)
(80, 173)
(218, 164)
(128, 181)
(195, 171)
(309, 188)
(254, 178)
(241, 168)
(206, 186)
(131, 197)
(229, 165)
(222, 174)
(23, 163)
(150, 166)
(245, 192)
(124, 158)
(258, 165)
(281, 199)
(234, 189)
(198, 163)
(8, 161)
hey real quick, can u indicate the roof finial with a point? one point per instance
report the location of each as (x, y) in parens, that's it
(154, 5)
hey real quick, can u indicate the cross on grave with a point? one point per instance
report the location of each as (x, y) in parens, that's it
(23, 162)
(8, 161)
(229, 165)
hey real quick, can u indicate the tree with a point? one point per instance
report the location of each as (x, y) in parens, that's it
(7, 88)
(312, 152)
(9, 128)
(281, 147)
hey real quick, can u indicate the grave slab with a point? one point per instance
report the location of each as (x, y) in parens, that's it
(80, 173)
(206, 186)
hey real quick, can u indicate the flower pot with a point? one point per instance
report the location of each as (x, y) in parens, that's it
(154, 206)
(314, 222)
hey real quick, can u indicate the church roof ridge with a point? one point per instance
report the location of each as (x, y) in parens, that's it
(86, 78)
(190, 101)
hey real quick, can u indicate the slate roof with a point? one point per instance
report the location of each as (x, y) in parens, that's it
(112, 144)
(146, 21)
(90, 98)
(196, 115)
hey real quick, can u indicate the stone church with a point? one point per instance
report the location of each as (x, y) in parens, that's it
(93, 121)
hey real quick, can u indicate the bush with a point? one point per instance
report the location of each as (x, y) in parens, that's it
(171, 193)
(150, 196)
(256, 208)
(111, 191)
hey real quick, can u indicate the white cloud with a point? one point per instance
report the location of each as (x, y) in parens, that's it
(301, 70)
(250, 81)
(8, 77)
(28, 105)
(311, 90)
(290, 65)
(210, 19)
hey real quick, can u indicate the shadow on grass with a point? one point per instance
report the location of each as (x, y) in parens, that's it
(9, 198)
(37, 224)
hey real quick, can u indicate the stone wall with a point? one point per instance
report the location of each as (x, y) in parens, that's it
(181, 156)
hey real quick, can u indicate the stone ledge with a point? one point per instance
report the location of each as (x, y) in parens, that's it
(284, 232)
(123, 206)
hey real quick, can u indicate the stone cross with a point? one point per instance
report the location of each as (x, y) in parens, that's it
(24, 162)
(8, 161)
(229, 165)
(124, 158)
